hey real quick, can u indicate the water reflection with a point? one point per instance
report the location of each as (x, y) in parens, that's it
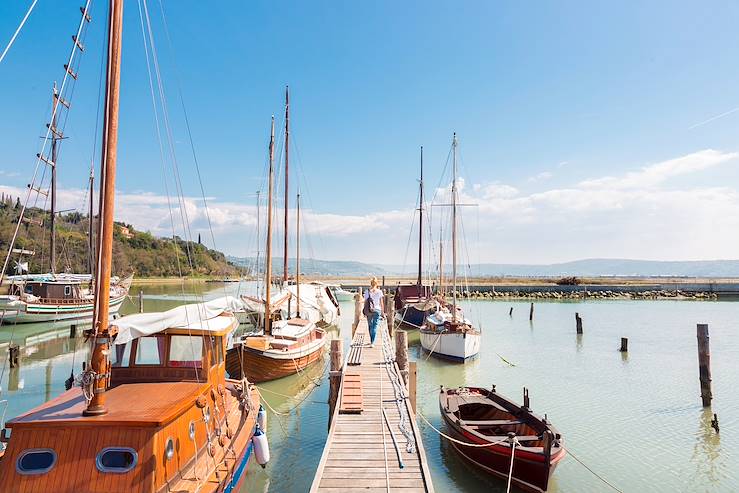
(710, 466)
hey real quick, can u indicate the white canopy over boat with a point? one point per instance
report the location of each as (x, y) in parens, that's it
(196, 316)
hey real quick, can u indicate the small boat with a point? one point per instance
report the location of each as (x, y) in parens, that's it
(414, 302)
(447, 333)
(53, 297)
(479, 416)
(286, 346)
(342, 294)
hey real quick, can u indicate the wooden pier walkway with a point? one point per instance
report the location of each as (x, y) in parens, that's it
(359, 455)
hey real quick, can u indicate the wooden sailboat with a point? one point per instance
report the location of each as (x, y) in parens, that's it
(154, 411)
(414, 302)
(447, 333)
(286, 346)
(480, 416)
(53, 296)
(318, 303)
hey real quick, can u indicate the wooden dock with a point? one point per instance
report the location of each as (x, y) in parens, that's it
(359, 455)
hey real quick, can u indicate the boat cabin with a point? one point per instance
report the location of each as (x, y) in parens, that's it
(59, 290)
(411, 293)
(166, 405)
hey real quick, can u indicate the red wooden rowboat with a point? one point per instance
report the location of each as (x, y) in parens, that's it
(480, 416)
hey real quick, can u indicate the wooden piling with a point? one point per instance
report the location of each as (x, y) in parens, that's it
(531, 313)
(334, 377)
(401, 353)
(510, 312)
(412, 383)
(14, 351)
(141, 301)
(704, 364)
(624, 345)
(389, 314)
(578, 323)
(357, 311)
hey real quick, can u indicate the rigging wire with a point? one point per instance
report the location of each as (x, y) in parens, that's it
(17, 31)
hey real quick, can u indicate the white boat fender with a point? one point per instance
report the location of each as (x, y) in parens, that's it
(261, 447)
(262, 418)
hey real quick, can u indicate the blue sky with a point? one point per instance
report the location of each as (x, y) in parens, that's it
(583, 126)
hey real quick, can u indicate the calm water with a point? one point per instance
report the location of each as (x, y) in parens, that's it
(635, 419)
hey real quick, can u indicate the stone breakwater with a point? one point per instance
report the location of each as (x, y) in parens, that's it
(596, 295)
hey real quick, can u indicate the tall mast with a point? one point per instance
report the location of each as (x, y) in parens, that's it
(54, 153)
(90, 226)
(297, 254)
(100, 368)
(268, 248)
(441, 267)
(287, 177)
(259, 286)
(420, 227)
(454, 227)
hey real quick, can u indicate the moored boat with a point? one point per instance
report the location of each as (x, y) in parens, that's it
(414, 302)
(287, 346)
(447, 333)
(53, 297)
(450, 337)
(493, 425)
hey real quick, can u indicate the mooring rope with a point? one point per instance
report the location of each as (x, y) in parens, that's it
(460, 442)
(514, 442)
(397, 390)
(569, 452)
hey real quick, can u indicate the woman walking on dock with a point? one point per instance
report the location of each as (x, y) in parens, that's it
(374, 307)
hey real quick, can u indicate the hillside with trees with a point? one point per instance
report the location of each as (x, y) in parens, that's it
(137, 252)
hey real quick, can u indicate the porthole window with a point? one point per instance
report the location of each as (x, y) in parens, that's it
(117, 459)
(36, 461)
(67, 290)
(169, 449)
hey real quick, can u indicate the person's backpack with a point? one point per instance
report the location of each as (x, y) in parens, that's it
(369, 305)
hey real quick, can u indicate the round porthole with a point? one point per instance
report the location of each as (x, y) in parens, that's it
(192, 430)
(169, 449)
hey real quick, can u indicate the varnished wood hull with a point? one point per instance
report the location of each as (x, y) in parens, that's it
(260, 367)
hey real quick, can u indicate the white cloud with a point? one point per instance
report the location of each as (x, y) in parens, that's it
(544, 175)
(655, 174)
(636, 214)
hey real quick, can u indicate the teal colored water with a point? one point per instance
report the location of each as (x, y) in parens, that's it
(636, 419)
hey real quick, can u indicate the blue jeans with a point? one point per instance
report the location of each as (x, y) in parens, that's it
(372, 322)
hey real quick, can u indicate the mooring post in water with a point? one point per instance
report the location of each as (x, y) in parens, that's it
(510, 312)
(412, 383)
(624, 345)
(14, 355)
(531, 313)
(141, 301)
(704, 364)
(334, 377)
(357, 310)
(401, 353)
(578, 323)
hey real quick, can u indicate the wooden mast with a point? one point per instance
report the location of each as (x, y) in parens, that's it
(259, 287)
(454, 228)
(90, 226)
(287, 179)
(54, 154)
(297, 255)
(100, 367)
(420, 228)
(268, 248)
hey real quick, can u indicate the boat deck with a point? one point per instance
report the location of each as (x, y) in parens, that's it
(359, 455)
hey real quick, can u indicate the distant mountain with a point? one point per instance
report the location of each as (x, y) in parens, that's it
(583, 268)
(317, 267)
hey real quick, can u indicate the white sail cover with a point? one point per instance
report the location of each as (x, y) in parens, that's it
(198, 316)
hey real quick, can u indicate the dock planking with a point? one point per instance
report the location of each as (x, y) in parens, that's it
(359, 454)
